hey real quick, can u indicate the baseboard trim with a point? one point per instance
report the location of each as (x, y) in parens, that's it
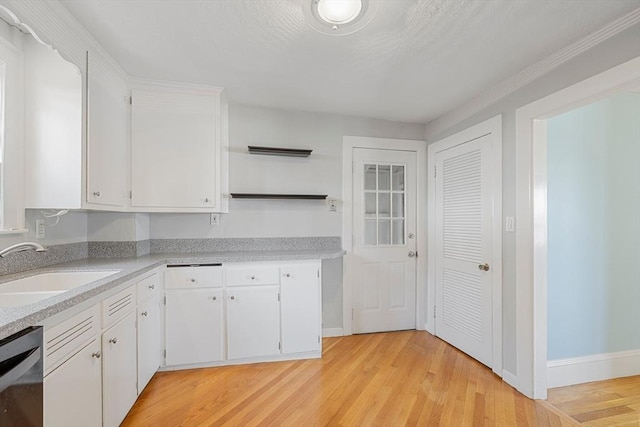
(332, 332)
(597, 367)
(510, 379)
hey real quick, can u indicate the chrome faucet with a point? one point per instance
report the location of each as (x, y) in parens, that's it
(25, 246)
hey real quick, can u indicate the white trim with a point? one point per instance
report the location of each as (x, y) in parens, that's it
(510, 378)
(332, 332)
(597, 367)
(420, 147)
(491, 126)
(532, 73)
(531, 221)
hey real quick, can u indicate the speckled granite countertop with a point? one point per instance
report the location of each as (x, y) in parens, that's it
(14, 319)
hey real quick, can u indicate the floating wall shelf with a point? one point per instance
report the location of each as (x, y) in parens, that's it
(275, 151)
(278, 196)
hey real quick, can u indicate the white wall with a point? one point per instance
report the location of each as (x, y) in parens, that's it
(72, 228)
(117, 227)
(321, 173)
(593, 203)
(611, 52)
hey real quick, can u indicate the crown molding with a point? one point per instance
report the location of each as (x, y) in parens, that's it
(531, 73)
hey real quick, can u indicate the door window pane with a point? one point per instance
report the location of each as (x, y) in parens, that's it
(369, 177)
(370, 205)
(384, 177)
(384, 205)
(398, 205)
(384, 232)
(398, 231)
(398, 178)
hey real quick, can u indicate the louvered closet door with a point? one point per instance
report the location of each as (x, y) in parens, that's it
(463, 219)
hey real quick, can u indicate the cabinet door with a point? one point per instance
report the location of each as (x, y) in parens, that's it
(148, 341)
(107, 116)
(253, 321)
(73, 391)
(174, 150)
(301, 318)
(193, 326)
(119, 377)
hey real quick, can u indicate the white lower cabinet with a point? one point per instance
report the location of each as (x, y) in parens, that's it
(119, 370)
(253, 321)
(300, 308)
(148, 340)
(73, 391)
(193, 320)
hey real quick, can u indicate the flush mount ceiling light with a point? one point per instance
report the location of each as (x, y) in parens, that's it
(338, 17)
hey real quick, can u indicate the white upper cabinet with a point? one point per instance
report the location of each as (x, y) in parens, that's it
(178, 148)
(107, 136)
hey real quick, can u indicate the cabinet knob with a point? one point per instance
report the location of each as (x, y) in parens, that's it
(484, 267)
(193, 280)
(206, 200)
(96, 355)
(152, 286)
(96, 193)
(144, 313)
(214, 298)
(113, 340)
(252, 277)
(287, 275)
(232, 297)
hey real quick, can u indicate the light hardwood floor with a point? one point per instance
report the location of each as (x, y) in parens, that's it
(603, 403)
(392, 379)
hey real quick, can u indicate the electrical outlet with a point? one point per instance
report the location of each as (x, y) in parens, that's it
(214, 219)
(40, 233)
(333, 205)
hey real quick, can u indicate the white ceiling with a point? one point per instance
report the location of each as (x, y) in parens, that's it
(416, 60)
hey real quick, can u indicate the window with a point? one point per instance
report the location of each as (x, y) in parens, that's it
(384, 204)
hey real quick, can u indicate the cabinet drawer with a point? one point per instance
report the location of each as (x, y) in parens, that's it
(62, 340)
(118, 306)
(148, 287)
(244, 276)
(193, 277)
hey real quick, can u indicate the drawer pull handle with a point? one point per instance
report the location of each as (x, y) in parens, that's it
(152, 286)
(144, 313)
(96, 355)
(113, 340)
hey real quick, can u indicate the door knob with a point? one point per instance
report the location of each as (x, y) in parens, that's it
(484, 267)
(412, 254)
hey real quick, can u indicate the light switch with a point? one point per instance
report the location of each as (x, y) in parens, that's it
(509, 224)
(333, 205)
(215, 219)
(40, 233)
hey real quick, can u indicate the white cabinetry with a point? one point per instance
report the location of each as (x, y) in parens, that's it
(301, 312)
(148, 329)
(270, 311)
(253, 321)
(193, 315)
(73, 372)
(178, 148)
(107, 135)
(119, 365)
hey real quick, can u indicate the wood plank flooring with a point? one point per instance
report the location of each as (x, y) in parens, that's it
(393, 379)
(603, 403)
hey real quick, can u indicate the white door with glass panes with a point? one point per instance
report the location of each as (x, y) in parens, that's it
(384, 247)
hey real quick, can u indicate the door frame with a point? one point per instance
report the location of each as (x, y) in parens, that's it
(492, 126)
(531, 215)
(349, 143)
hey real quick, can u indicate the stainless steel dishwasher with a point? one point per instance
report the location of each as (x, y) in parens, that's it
(21, 370)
